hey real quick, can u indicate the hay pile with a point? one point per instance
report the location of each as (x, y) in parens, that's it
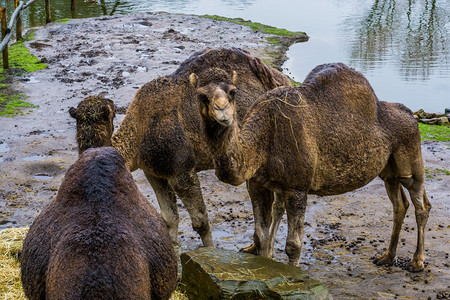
(10, 248)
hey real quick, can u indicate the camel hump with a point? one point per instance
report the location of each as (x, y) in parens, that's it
(95, 174)
(232, 59)
(344, 88)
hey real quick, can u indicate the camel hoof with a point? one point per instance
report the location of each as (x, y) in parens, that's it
(251, 249)
(383, 261)
(415, 268)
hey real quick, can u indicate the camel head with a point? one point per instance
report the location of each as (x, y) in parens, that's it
(215, 90)
(95, 127)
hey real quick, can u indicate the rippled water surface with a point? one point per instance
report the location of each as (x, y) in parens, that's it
(401, 46)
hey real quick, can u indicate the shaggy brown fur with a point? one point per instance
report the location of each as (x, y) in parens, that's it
(329, 136)
(99, 238)
(161, 130)
(94, 110)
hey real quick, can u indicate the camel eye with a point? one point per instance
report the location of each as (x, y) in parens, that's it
(232, 93)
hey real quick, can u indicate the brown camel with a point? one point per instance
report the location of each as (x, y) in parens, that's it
(329, 136)
(160, 133)
(99, 238)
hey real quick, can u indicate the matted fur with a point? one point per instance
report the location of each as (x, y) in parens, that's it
(99, 238)
(329, 136)
(160, 133)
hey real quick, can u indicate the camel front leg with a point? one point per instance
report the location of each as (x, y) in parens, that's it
(262, 201)
(167, 204)
(295, 210)
(187, 187)
(277, 215)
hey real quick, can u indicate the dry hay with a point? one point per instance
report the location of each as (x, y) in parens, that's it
(10, 248)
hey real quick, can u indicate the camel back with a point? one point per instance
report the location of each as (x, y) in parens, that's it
(233, 59)
(341, 90)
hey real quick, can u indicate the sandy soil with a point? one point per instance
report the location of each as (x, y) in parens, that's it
(116, 55)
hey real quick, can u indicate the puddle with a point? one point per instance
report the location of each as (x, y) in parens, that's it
(43, 176)
(34, 158)
(4, 147)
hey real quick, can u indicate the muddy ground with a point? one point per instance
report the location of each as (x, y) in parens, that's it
(115, 56)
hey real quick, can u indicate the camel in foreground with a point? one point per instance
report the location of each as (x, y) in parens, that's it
(160, 133)
(99, 238)
(329, 136)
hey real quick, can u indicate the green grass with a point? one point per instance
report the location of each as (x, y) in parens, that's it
(434, 132)
(445, 171)
(20, 62)
(10, 105)
(258, 27)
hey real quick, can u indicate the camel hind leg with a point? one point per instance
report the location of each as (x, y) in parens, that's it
(408, 166)
(406, 169)
(422, 208)
(400, 205)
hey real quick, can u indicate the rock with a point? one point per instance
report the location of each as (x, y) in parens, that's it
(443, 121)
(210, 273)
(420, 114)
(429, 121)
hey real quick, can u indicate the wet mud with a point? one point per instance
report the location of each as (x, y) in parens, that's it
(114, 56)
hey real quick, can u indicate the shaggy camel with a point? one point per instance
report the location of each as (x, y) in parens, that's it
(98, 111)
(99, 238)
(327, 137)
(160, 133)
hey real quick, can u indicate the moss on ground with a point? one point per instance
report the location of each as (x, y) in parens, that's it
(282, 39)
(434, 132)
(20, 62)
(258, 27)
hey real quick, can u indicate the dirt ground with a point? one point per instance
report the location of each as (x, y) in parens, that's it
(115, 56)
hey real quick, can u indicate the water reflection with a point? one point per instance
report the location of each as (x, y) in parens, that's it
(411, 34)
(401, 46)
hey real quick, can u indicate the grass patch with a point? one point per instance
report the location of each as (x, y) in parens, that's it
(10, 248)
(434, 132)
(258, 27)
(444, 171)
(62, 21)
(10, 105)
(20, 62)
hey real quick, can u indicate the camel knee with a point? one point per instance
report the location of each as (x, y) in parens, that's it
(407, 181)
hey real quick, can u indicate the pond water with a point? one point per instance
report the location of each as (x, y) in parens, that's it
(401, 46)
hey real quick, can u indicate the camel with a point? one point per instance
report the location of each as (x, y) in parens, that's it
(329, 136)
(160, 133)
(98, 111)
(99, 238)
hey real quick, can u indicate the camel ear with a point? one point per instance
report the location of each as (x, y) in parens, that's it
(193, 80)
(73, 112)
(112, 107)
(234, 78)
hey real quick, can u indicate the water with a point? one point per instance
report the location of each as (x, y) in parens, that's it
(402, 47)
